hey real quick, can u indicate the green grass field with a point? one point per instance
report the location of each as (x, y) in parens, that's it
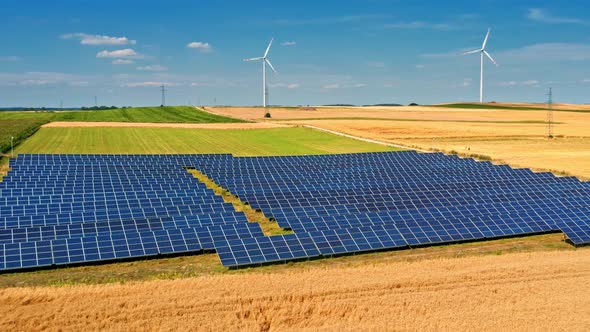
(259, 142)
(19, 129)
(171, 114)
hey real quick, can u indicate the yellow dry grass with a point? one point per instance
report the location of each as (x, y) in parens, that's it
(532, 291)
(509, 136)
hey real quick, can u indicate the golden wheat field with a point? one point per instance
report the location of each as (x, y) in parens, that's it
(515, 137)
(523, 291)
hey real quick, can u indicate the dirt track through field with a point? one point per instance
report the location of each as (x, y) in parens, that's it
(531, 291)
(253, 125)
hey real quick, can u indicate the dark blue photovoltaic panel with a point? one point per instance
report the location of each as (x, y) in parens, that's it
(70, 209)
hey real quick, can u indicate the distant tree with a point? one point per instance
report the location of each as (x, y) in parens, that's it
(413, 104)
(162, 105)
(113, 107)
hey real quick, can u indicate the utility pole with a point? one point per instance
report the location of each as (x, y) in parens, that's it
(163, 88)
(550, 114)
(95, 101)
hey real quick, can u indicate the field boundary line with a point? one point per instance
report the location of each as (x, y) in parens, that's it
(368, 140)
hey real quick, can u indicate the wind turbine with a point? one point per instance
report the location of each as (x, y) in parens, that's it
(265, 61)
(482, 51)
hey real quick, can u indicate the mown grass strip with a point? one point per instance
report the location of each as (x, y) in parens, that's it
(268, 227)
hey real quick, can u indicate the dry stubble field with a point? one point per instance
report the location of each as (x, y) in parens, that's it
(523, 291)
(515, 137)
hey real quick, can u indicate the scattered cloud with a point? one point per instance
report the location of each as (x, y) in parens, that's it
(586, 80)
(152, 68)
(466, 82)
(124, 53)
(376, 64)
(285, 85)
(420, 66)
(547, 52)
(203, 47)
(521, 83)
(10, 58)
(36, 78)
(289, 43)
(123, 62)
(34, 82)
(331, 86)
(450, 54)
(359, 85)
(542, 16)
(148, 84)
(418, 25)
(88, 39)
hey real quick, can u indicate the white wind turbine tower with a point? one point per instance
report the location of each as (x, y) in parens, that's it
(265, 61)
(482, 51)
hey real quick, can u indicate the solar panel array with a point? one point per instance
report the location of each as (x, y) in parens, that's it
(360, 202)
(71, 209)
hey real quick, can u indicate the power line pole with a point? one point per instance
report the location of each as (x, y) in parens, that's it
(95, 101)
(163, 88)
(550, 114)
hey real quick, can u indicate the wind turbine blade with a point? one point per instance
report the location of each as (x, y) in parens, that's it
(471, 52)
(268, 48)
(489, 56)
(485, 41)
(270, 65)
(254, 59)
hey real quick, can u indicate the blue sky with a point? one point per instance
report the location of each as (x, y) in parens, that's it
(372, 51)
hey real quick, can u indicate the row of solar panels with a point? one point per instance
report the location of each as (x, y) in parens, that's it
(446, 198)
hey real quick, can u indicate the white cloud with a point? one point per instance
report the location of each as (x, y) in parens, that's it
(547, 52)
(35, 78)
(124, 53)
(285, 85)
(10, 58)
(359, 85)
(203, 47)
(288, 43)
(148, 84)
(419, 66)
(331, 86)
(88, 39)
(586, 80)
(79, 83)
(123, 62)
(521, 83)
(152, 68)
(35, 82)
(418, 25)
(540, 15)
